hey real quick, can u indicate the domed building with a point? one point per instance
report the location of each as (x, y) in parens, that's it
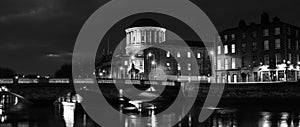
(141, 35)
(141, 60)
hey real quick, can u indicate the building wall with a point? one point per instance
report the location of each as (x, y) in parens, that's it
(251, 52)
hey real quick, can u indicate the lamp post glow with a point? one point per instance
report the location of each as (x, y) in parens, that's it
(153, 62)
(286, 70)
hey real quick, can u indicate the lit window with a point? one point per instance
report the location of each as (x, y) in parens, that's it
(219, 50)
(233, 48)
(225, 37)
(228, 78)
(168, 54)
(225, 49)
(226, 64)
(277, 44)
(178, 54)
(235, 78)
(189, 67)
(233, 63)
(277, 31)
(219, 64)
(266, 45)
(125, 62)
(219, 38)
(189, 54)
(144, 36)
(266, 32)
(178, 67)
(232, 36)
(168, 64)
(198, 55)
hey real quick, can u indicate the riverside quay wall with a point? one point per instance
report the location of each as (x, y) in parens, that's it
(283, 90)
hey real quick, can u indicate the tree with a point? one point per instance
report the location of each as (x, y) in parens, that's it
(7, 73)
(65, 71)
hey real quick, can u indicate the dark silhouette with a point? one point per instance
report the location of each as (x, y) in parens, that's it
(7, 73)
(65, 71)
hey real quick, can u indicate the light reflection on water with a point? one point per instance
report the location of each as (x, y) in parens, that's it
(14, 112)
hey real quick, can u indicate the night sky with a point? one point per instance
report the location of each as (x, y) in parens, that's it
(37, 36)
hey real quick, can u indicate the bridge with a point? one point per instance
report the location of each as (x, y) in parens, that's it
(51, 91)
(42, 91)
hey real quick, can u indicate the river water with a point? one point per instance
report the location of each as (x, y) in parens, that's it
(16, 112)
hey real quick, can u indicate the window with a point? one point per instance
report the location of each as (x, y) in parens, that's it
(254, 34)
(266, 60)
(296, 33)
(144, 36)
(235, 78)
(244, 47)
(254, 58)
(178, 54)
(198, 55)
(298, 58)
(266, 32)
(189, 67)
(189, 54)
(219, 50)
(290, 57)
(125, 62)
(254, 46)
(226, 64)
(218, 38)
(232, 36)
(243, 35)
(297, 45)
(228, 78)
(225, 37)
(243, 61)
(289, 31)
(277, 31)
(219, 65)
(277, 44)
(266, 45)
(289, 44)
(233, 63)
(168, 54)
(225, 49)
(278, 58)
(233, 48)
(178, 67)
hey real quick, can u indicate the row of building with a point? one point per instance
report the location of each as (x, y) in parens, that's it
(268, 51)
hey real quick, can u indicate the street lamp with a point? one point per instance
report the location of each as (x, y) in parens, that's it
(153, 62)
(286, 70)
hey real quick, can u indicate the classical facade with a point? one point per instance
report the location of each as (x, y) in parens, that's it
(263, 52)
(149, 55)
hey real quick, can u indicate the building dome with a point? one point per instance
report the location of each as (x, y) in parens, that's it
(145, 22)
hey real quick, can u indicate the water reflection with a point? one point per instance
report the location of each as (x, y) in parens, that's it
(74, 116)
(9, 105)
(67, 112)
